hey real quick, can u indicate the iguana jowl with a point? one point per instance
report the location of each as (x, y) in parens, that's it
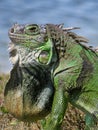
(51, 68)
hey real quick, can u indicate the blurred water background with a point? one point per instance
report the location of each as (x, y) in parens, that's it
(81, 13)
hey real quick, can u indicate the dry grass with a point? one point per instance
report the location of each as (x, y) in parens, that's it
(3, 80)
(73, 120)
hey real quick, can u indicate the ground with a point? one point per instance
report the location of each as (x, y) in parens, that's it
(73, 119)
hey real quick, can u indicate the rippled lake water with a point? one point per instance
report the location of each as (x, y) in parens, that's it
(81, 13)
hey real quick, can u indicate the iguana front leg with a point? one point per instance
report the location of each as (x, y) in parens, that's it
(59, 106)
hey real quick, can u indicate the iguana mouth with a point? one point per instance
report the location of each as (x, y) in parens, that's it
(19, 38)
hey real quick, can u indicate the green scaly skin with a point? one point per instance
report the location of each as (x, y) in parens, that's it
(64, 67)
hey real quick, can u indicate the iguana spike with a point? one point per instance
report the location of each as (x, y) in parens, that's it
(61, 25)
(77, 37)
(70, 28)
(81, 39)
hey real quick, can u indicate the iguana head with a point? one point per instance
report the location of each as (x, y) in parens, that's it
(31, 36)
(34, 40)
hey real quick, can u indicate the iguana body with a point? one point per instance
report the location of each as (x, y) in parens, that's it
(51, 68)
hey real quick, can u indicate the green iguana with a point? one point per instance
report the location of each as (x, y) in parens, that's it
(51, 67)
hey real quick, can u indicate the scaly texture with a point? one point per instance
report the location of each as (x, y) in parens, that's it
(51, 67)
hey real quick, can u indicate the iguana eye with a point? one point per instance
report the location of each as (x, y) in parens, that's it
(32, 29)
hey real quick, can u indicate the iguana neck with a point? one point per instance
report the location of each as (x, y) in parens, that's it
(66, 43)
(19, 54)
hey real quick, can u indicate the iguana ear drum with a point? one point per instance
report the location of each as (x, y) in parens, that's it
(43, 57)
